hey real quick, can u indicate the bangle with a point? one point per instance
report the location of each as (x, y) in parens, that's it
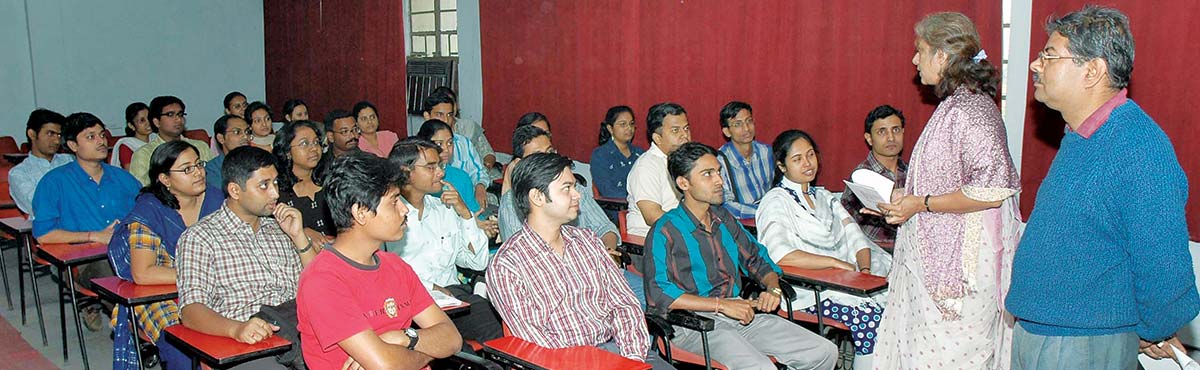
(927, 204)
(718, 310)
(861, 269)
(306, 248)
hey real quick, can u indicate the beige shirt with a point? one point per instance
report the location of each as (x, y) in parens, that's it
(139, 166)
(649, 180)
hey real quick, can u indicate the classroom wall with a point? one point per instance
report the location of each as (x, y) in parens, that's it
(100, 56)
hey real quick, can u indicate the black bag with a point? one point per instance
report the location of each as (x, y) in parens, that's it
(284, 316)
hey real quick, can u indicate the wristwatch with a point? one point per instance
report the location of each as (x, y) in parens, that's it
(412, 338)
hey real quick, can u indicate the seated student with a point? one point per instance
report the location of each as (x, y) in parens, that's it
(232, 132)
(693, 269)
(651, 191)
(138, 132)
(297, 152)
(262, 129)
(536, 119)
(464, 157)
(341, 132)
(442, 234)
(370, 138)
(82, 201)
(473, 131)
(44, 130)
(885, 135)
(612, 160)
(551, 281)
(805, 226)
(235, 104)
(438, 133)
(169, 117)
(745, 162)
(295, 110)
(357, 307)
(142, 248)
(246, 255)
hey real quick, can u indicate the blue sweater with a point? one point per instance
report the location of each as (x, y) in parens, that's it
(1106, 248)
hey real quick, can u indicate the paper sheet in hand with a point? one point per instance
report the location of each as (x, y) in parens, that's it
(871, 188)
(444, 300)
(1185, 362)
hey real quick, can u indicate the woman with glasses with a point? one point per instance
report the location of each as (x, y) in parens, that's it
(297, 156)
(142, 248)
(958, 225)
(614, 157)
(372, 139)
(262, 134)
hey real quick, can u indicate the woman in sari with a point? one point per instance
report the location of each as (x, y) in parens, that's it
(806, 227)
(957, 215)
(142, 248)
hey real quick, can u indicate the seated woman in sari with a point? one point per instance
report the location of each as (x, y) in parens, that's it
(142, 248)
(806, 227)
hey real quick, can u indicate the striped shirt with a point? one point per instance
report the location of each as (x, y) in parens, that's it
(467, 159)
(576, 299)
(746, 179)
(683, 258)
(591, 216)
(876, 228)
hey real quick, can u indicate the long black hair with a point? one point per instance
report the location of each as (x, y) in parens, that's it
(161, 161)
(282, 148)
(782, 144)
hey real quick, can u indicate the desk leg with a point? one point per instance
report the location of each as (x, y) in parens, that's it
(62, 311)
(37, 297)
(4, 272)
(195, 363)
(820, 314)
(707, 356)
(78, 325)
(133, 329)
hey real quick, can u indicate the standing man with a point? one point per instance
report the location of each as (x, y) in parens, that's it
(651, 191)
(552, 282)
(746, 164)
(232, 132)
(884, 133)
(692, 267)
(44, 130)
(168, 115)
(1103, 270)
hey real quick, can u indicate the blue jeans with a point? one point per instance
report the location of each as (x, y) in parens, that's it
(171, 357)
(1101, 352)
(635, 283)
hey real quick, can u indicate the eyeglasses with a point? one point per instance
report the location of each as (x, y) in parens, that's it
(1042, 57)
(432, 167)
(347, 131)
(179, 114)
(236, 132)
(191, 169)
(740, 123)
(237, 106)
(305, 144)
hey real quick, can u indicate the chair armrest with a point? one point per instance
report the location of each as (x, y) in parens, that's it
(472, 276)
(464, 360)
(690, 320)
(659, 327)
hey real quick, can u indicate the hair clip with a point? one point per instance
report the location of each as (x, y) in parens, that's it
(981, 55)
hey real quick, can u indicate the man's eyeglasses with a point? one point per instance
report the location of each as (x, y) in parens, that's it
(191, 169)
(179, 114)
(348, 131)
(1042, 57)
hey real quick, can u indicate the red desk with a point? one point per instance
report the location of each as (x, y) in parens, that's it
(127, 293)
(513, 351)
(852, 282)
(64, 257)
(633, 244)
(221, 352)
(19, 227)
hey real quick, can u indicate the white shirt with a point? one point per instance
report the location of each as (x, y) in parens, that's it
(24, 178)
(649, 180)
(133, 143)
(436, 244)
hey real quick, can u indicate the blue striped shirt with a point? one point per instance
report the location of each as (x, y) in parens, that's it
(746, 179)
(465, 158)
(683, 258)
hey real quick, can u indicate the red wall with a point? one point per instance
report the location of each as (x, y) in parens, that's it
(334, 53)
(1163, 84)
(820, 66)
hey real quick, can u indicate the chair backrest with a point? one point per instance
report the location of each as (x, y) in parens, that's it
(6, 197)
(197, 134)
(9, 145)
(621, 215)
(25, 147)
(125, 155)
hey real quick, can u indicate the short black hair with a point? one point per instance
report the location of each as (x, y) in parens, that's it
(731, 110)
(431, 127)
(406, 152)
(76, 123)
(229, 97)
(131, 112)
(656, 115)
(241, 163)
(291, 105)
(1099, 32)
(158, 103)
(254, 107)
(523, 135)
(531, 117)
(336, 114)
(357, 178)
(362, 105)
(446, 90)
(683, 160)
(881, 112)
(434, 99)
(536, 171)
(222, 123)
(40, 117)
(161, 161)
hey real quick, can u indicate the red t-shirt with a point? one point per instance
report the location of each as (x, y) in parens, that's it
(338, 298)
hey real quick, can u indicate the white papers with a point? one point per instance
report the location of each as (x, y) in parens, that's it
(1185, 362)
(443, 299)
(870, 187)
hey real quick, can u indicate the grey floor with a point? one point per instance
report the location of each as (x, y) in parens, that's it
(99, 346)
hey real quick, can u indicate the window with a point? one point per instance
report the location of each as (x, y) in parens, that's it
(434, 26)
(1006, 29)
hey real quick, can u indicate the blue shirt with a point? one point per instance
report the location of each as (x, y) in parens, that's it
(610, 168)
(746, 179)
(466, 189)
(465, 158)
(212, 171)
(23, 179)
(68, 199)
(1106, 247)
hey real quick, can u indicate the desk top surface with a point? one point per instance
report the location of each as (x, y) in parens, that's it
(837, 279)
(16, 224)
(62, 254)
(126, 292)
(527, 353)
(222, 350)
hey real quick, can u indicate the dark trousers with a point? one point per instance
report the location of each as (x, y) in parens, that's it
(481, 323)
